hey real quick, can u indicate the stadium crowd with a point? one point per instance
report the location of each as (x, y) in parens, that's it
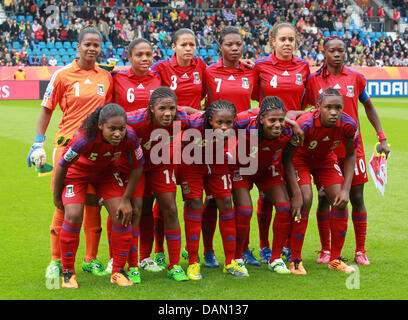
(29, 29)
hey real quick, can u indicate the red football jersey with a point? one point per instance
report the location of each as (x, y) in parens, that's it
(237, 85)
(283, 79)
(150, 135)
(351, 85)
(88, 157)
(132, 92)
(319, 141)
(267, 152)
(186, 82)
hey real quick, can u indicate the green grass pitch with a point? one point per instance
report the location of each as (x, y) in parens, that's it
(26, 211)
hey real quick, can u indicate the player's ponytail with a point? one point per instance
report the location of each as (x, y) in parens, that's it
(99, 116)
(217, 106)
(269, 103)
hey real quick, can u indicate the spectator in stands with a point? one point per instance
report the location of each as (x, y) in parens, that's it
(35, 60)
(44, 60)
(53, 62)
(381, 19)
(396, 16)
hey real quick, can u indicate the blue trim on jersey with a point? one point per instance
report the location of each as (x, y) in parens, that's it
(262, 60)
(308, 124)
(348, 119)
(81, 143)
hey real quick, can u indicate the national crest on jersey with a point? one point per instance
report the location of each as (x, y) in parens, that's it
(299, 80)
(245, 83)
(101, 90)
(197, 79)
(350, 91)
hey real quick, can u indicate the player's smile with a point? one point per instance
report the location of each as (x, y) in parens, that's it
(272, 123)
(164, 112)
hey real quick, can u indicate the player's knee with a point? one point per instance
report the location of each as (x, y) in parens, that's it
(195, 204)
(357, 199)
(224, 203)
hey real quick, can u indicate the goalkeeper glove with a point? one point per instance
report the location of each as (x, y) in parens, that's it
(37, 154)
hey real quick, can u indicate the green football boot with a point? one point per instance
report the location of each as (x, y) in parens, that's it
(95, 267)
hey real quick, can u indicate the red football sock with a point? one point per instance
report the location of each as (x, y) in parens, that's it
(158, 229)
(228, 234)
(243, 216)
(173, 240)
(298, 231)
(146, 226)
(323, 224)
(192, 226)
(360, 229)
(133, 257)
(264, 216)
(120, 241)
(281, 228)
(209, 224)
(338, 227)
(69, 241)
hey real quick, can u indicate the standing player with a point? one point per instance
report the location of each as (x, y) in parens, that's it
(78, 88)
(228, 79)
(283, 75)
(132, 87)
(132, 90)
(89, 159)
(352, 86)
(154, 127)
(324, 129)
(273, 136)
(183, 73)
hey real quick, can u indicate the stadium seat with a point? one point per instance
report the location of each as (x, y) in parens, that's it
(71, 51)
(326, 34)
(211, 52)
(30, 18)
(384, 34)
(45, 50)
(60, 64)
(334, 33)
(340, 34)
(169, 52)
(50, 45)
(107, 44)
(20, 18)
(74, 44)
(203, 52)
(43, 45)
(54, 51)
(62, 52)
(377, 34)
(67, 45)
(119, 51)
(58, 44)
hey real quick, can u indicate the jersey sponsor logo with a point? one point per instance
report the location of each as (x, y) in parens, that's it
(350, 91)
(69, 191)
(197, 79)
(299, 80)
(140, 86)
(285, 73)
(101, 90)
(70, 155)
(231, 77)
(245, 83)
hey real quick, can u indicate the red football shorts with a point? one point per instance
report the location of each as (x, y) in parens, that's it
(214, 179)
(360, 170)
(139, 190)
(264, 179)
(325, 172)
(160, 179)
(107, 186)
(56, 157)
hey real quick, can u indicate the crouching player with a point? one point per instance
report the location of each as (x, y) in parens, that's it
(271, 154)
(89, 159)
(213, 176)
(324, 129)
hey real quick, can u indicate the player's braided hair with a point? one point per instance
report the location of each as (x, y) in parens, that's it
(88, 29)
(99, 116)
(269, 103)
(135, 42)
(323, 70)
(158, 94)
(217, 106)
(330, 91)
